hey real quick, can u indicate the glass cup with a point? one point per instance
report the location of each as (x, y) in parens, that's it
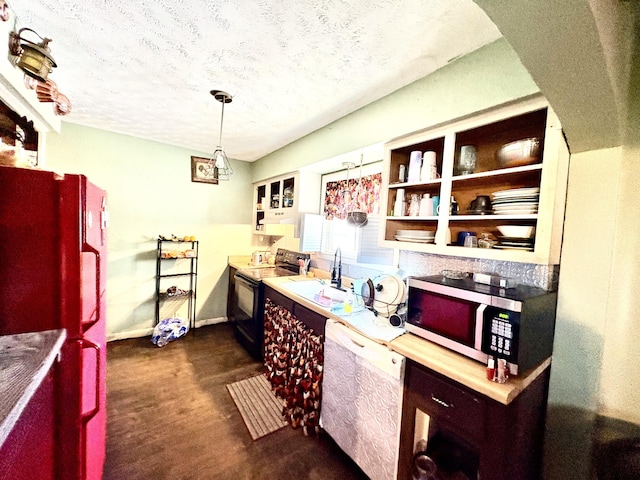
(468, 160)
(471, 241)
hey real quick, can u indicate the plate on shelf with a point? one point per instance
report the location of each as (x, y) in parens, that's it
(415, 239)
(416, 233)
(516, 244)
(503, 200)
(515, 239)
(513, 247)
(517, 192)
(528, 211)
(516, 206)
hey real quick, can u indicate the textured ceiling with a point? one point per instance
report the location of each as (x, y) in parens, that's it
(145, 67)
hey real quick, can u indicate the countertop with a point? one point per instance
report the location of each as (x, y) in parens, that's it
(439, 359)
(25, 360)
(244, 261)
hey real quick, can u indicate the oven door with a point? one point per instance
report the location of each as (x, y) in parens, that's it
(247, 310)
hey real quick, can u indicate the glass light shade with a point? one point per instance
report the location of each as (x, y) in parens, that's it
(35, 62)
(222, 164)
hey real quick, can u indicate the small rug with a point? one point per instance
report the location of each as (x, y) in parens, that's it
(261, 410)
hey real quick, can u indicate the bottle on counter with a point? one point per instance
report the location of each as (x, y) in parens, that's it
(348, 301)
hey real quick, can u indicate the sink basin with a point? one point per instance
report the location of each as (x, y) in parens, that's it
(316, 292)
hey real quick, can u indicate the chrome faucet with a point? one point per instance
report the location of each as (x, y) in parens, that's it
(336, 271)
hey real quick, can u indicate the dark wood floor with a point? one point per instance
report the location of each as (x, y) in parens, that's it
(170, 416)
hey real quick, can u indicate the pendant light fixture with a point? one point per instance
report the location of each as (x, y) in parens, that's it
(219, 159)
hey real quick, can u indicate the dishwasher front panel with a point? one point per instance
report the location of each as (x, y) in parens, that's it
(362, 399)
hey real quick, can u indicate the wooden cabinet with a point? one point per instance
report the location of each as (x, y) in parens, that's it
(279, 200)
(487, 132)
(479, 436)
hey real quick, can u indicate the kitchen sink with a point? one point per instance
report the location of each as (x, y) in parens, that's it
(317, 292)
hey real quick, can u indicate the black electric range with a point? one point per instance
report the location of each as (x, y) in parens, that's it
(247, 309)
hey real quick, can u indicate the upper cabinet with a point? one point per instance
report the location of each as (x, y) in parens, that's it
(278, 201)
(483, 182)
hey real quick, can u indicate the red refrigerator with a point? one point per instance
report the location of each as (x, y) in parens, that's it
(53, 275)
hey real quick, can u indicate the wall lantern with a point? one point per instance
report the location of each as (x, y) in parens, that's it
(34, 59)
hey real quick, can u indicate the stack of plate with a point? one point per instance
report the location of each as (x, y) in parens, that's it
(515, 243)
(516, 237)
(418, 236)
(518, 201)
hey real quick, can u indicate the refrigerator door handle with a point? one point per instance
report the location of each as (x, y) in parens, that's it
(88, 248)
(92, 413)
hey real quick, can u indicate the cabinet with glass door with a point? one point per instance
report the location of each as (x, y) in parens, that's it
(500, 174)
(277, 201)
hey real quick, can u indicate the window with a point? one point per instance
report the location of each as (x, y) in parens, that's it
(348, 191)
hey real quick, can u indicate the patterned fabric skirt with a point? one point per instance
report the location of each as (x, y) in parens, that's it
(293, 357)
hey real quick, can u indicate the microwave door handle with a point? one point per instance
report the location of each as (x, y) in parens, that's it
(479, 326)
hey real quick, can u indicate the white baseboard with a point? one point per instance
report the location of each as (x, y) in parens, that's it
(147, 332)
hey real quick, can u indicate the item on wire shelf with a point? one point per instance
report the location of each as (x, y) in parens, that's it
(175, 291)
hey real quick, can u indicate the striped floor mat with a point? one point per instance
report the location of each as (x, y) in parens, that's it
(261, 410)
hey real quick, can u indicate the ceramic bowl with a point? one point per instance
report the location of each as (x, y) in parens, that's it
(522, 152)
(516, 231)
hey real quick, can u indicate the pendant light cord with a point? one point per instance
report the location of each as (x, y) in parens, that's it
(221, 122)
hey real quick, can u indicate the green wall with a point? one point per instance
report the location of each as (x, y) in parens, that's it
(483, 79)
(150, 193)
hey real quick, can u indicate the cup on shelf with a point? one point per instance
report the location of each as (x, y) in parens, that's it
(436, 204)
(471, 241)
(462, 236)
(429, 168)
(468, 160)
(415, 164)
(402, 173)
(426, 205)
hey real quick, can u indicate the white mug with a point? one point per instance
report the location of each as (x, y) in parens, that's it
(429, 167)
(429, 158)
(415, 164)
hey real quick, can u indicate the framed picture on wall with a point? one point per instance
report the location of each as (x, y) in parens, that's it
(202, 171)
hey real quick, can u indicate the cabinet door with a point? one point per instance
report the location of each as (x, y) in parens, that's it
(275, 194)
(260, 204)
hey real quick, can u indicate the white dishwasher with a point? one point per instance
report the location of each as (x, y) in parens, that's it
(362, 399)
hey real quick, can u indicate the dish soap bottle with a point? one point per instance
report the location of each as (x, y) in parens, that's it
(348, 302)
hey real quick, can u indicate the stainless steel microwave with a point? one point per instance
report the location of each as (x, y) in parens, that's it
(481, 321)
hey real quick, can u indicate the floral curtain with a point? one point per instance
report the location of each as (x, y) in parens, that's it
(352, 195)
(293, 357)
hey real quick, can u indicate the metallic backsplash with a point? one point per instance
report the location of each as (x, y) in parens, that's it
(541, 276)
(421, 264)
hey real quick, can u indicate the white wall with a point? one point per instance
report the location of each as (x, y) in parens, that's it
(150, 193)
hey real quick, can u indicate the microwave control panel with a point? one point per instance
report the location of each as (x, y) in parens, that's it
(500, 333)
